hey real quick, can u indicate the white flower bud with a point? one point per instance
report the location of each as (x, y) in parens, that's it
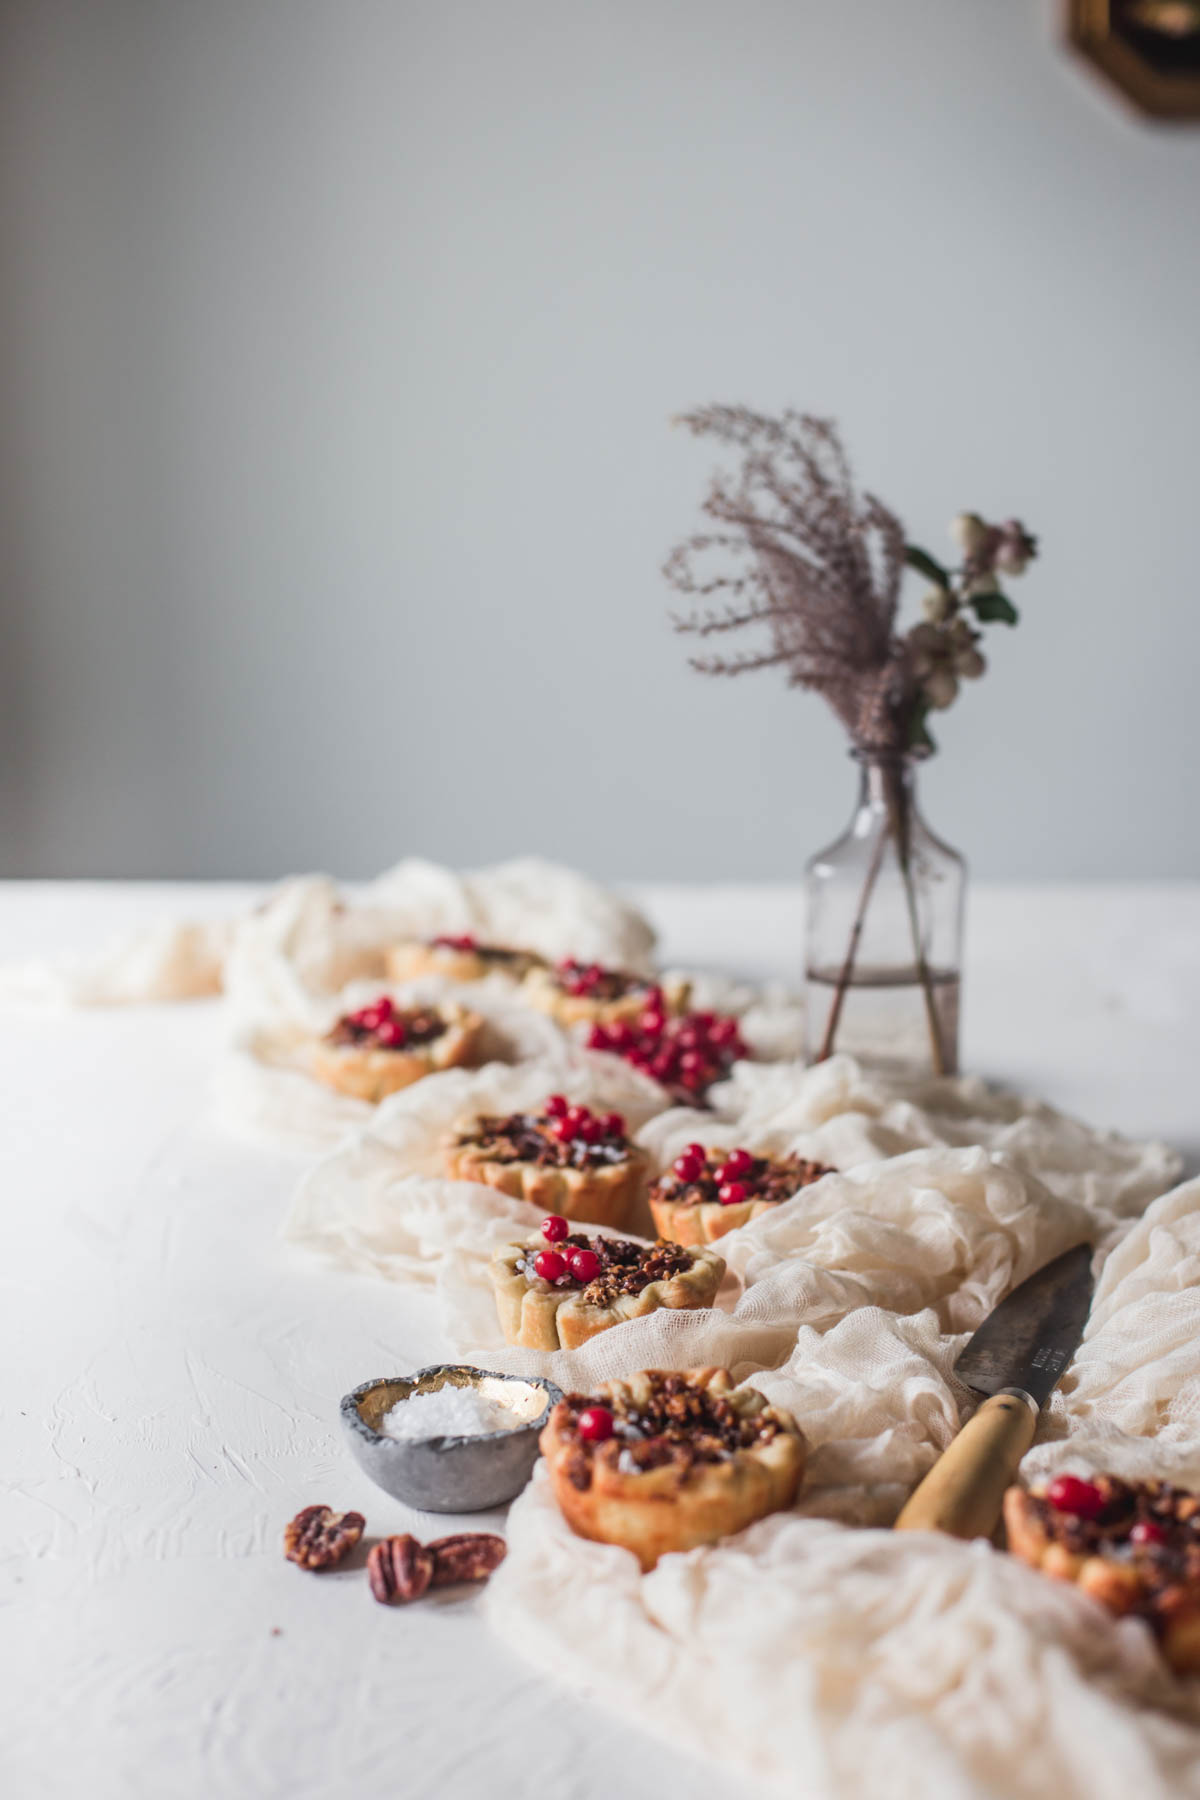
(981, 584)
(941, 688)
(937, 604)
(969, 533)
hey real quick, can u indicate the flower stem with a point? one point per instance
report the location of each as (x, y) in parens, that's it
(897, 828)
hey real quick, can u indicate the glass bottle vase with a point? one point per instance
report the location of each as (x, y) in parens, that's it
(884, 932)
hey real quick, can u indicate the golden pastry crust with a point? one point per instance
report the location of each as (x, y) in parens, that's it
(596, 1189)
(654, 1490)
(616, 995)
(1157, 1578)
(368, 1071)
(459, 959)
(544, 1316)
(687, 1208)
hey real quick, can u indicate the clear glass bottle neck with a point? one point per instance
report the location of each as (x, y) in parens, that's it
(882, 780)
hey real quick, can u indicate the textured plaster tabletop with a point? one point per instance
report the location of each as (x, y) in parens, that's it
(171, 1372)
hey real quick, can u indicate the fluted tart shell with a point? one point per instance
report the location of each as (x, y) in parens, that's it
(368, 1071)
(603, 1195)
(677, 1505)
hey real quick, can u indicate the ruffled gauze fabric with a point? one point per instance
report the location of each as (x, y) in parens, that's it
(310, 937)
(818, 1653)
(861, 1664)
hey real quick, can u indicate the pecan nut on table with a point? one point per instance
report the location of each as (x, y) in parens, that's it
(318, 1538)
(402, 1569)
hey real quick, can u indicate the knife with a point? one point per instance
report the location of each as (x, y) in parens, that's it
(1016, 1359)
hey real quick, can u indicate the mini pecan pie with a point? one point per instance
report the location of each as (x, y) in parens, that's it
(382, 1047)
(667, 1460)
(585, 993)
(564, 1157)
(685, 1054)
(558, 1288)
(706, 1193)
(1135, 1547)
(461, 958)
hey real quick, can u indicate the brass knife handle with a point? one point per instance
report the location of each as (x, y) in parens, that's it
(963, 1492)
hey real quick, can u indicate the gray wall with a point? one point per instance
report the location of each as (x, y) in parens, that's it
(339, 346)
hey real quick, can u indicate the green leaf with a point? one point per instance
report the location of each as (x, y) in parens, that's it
(919, 735)
(994, 609)
(916, 558)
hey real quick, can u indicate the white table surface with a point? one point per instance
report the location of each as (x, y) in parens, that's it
(171, 1372)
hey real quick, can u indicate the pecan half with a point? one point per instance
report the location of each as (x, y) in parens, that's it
(319, 1538)
(468, 1556)
(399, 1568)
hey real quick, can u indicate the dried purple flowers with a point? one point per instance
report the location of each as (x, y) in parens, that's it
(820, 566)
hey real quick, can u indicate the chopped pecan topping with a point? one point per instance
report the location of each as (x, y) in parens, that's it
(624, 1266)
(319, 1538)
(385, 1026)
(574, 1139)
(729, 1177)
(681, 1423)
(497, 953)
(591, 981)
(1151, 1525)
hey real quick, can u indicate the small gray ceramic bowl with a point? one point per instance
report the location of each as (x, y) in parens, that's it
(450, 1474)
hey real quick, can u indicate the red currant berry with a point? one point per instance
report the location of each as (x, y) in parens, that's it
(391, 1034)
(724, 1032)
(688, 1168)
(585, 1265)
(556, 1106)
(550, 1265)
(591, 1130)
(662, 1066)
(692, 1062)
(620, 1035)
(614, 1125)
(732, 1193)
(562, 1129)
(737, 1164)
(555, 1228)
(597, 1038)
(652, 1022)
(696, 1150)
(575, 1115)
(1069, 1494)
(595, 1424)
(1147, 1531)
(369, 1017)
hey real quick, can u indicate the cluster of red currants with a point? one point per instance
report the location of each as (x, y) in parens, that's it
(571, 1124)
(686, 1054)
(574, 1265)
(729, 1172)
(464, 942)
(380, 1021)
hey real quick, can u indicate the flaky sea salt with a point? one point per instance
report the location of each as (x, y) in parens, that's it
(446, 1412)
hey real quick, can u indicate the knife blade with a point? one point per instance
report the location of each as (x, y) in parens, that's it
(1015, 1360)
